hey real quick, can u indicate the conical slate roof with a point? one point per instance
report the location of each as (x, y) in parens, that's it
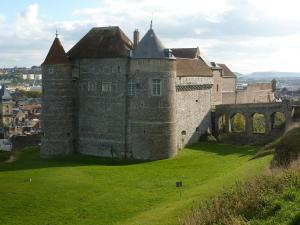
(150, 47)
(56, 54)
(4, 94)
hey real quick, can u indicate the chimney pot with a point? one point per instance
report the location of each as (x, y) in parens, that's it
(136, 38)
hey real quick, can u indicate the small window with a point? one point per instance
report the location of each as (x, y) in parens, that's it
(119, 69)
(92, 86)
(50, 70)
(217, 87)
(106, 87)
(156, 87)
(183, 132)
(131, 88)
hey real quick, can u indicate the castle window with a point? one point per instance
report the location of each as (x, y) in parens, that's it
(131, 88)
(217, 87)
(106, 87)
(50, 70)
(156, 87)
(119, 69)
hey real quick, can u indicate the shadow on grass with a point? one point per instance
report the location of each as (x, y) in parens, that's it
(225, 149)
(30, 159)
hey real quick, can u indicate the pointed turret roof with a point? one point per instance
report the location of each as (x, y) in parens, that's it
(4, 94)
(56, 54)
(150, 47)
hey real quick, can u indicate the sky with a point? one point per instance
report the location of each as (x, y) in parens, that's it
(247, 35)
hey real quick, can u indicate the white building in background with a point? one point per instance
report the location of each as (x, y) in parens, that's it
(38, 77)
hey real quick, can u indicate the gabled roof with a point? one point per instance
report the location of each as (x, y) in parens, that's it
(191, 53)
(56, 54)
(192, 68)
(226, 71)
(102, 42)
(150, 47)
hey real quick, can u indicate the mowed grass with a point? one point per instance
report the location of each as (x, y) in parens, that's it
(89, 190)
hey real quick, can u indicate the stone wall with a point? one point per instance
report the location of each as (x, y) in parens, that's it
(254, 93)
(152, 119)
(101, 101)
(228, 84)
(193, 100)
(217, 87)
(57, 111)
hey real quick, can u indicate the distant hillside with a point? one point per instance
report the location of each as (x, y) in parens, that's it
(268, 75)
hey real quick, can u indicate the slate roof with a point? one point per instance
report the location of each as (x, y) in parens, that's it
(192, 68)
(190, 53)
(102, 42)
(4, 94)
(150, 47)
(56, 54)
(226, 71)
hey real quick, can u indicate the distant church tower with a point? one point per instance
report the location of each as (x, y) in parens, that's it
(152, 114)
(57, 98)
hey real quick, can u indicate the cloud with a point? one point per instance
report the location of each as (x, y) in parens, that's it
(246, 34)
(30, 14)
(2, 19)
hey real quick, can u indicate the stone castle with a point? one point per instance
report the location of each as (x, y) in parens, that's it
(110, 97)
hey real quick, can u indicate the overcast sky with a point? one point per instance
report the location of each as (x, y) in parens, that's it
(247, 35)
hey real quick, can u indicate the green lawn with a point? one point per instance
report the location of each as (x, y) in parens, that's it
(93, 191)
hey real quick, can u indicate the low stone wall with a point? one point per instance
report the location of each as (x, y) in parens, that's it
(20, 142)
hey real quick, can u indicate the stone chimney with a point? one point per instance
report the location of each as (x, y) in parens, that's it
(136, 38)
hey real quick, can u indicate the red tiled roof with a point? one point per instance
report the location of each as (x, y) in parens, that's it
(102, 42)
(190, 53)
(192, 68)
(56, 54)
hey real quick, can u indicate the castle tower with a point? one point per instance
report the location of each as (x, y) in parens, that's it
(151, 93)
(6, 105)
(57, 99)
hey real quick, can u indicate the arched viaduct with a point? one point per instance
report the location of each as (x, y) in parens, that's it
(248, 136)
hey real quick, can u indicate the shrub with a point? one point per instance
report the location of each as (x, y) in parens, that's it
(245, 201)
(4, 155)
(295, 220)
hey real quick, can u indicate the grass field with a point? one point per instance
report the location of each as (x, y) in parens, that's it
(88, 190)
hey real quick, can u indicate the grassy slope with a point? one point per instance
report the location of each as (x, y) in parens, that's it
(288, 210)
(89, 190)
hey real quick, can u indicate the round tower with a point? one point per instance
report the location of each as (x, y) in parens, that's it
(57, 103)
(151, 90)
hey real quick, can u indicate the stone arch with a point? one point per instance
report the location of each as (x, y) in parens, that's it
(278, 120)
(237, 123)
(259, 121)
(221, 123)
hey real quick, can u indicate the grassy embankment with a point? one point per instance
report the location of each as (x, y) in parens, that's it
(267, 200)
(89, 190)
